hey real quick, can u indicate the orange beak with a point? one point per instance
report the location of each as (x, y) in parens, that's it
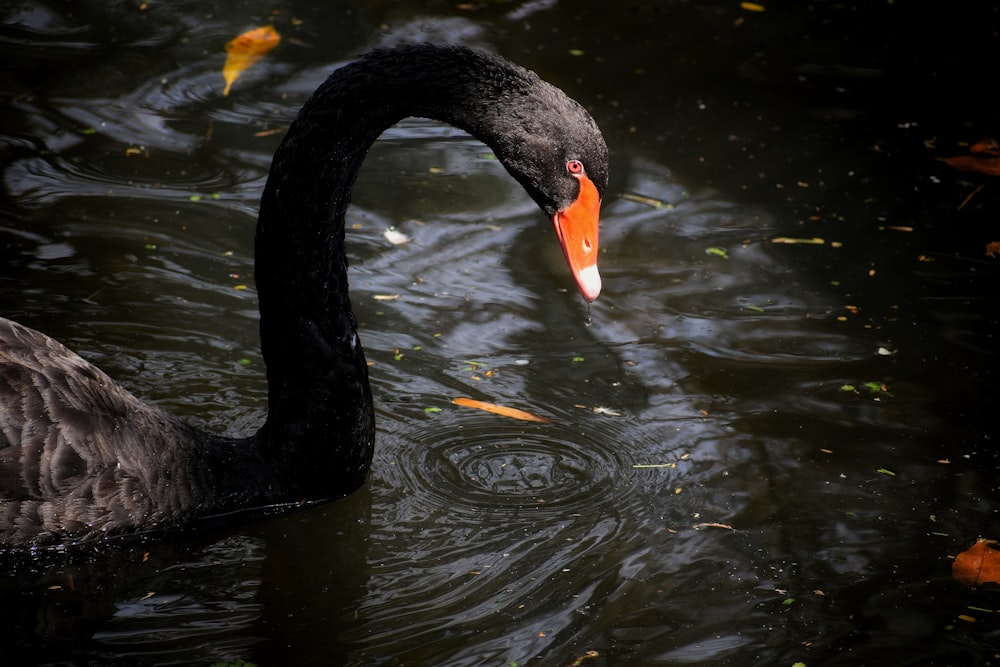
(576, 228)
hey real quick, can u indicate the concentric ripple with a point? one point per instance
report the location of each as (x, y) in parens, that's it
(550, 466)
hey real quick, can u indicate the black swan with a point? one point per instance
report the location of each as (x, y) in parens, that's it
(82, 458)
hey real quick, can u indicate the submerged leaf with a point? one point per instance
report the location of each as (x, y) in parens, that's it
(246, 50)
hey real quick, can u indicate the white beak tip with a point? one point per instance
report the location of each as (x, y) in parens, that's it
(589, 282)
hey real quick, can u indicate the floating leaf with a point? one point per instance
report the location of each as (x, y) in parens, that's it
(987, 146)
(642, 199)
(513, 413)
(471, 365)
(246, 50)
(977, 565)
(793, 241)
(717, 251)
(395, 237)
(579, 660)
(981, 165)
(712, 524)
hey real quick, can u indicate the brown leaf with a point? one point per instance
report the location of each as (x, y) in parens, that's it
(981, 165)
(993, 249)
(987, 146)
(977, 565)
(245, 50)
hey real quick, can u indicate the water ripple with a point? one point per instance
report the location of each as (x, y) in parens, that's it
(545, 468)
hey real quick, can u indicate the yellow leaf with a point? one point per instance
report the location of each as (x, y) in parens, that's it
(643, 199)
(713, 524)
(513, 413)
(246, 50)
(792, 241)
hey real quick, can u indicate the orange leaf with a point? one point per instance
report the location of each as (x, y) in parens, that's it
(987, 146)
(247, 49)
(982, 165)
(513, 413)
(977, 565)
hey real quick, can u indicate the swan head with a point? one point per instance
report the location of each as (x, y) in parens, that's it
(545, 139)
(576, 225)
(561, 159)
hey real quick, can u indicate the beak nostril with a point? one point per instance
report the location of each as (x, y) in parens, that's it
(586, 245)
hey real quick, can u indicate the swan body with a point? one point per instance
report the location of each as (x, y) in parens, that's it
(82, 458)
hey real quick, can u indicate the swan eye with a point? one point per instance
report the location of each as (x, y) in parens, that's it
(574, 167)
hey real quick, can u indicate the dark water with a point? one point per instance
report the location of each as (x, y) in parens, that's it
(711, 490)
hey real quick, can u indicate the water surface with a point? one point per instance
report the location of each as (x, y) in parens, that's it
(760, 452)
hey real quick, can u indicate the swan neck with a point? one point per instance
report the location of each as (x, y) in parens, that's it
(319, 399)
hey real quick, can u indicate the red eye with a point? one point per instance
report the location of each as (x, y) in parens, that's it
(574, 167)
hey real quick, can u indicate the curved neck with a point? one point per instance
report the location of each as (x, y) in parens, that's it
(320, 407)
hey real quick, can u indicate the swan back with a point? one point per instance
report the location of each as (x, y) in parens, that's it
(80, 455)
